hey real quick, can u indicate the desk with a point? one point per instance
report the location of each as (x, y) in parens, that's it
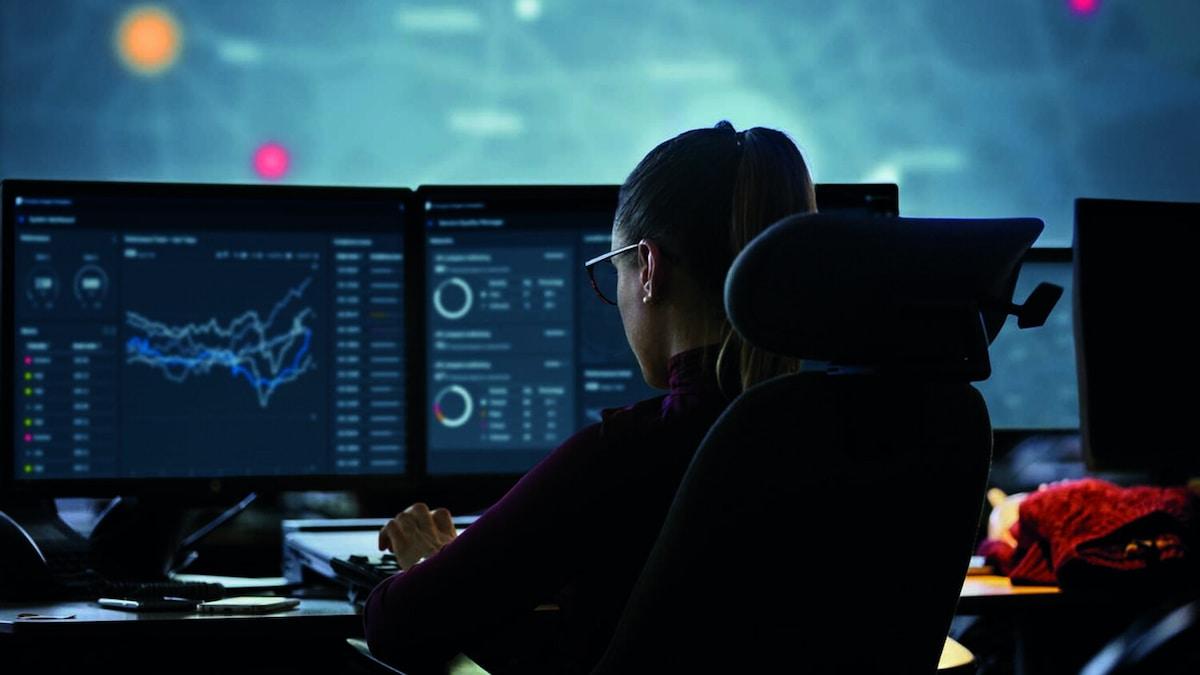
(1047, 630)
(312, 617)
(310, 638)
(991, 594)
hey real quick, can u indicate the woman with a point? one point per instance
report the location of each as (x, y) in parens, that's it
(577, 528)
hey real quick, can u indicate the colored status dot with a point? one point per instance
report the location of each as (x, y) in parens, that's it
(28, 438)
(148, 40)
(28, 391)
(28, 468)
(28, 422)
(28, 376)
(1084, 7)
(271, 161)
(29, 360)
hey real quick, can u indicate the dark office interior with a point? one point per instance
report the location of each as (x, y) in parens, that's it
(550, 336)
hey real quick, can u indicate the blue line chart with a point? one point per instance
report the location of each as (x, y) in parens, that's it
(252, 348)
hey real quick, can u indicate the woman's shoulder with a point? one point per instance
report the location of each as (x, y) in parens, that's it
(632, 418)
(658, 422)
(620, 428)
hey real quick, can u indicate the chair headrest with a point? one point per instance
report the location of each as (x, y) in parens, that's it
(915, 293)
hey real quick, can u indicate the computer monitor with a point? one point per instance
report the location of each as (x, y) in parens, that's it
(1135, 285)
(520, 352)
(879, 199)
(170, 338)
(1032, 387)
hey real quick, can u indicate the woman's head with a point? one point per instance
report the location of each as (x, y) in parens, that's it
(693, 203)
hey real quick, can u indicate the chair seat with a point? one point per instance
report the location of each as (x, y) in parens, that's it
(956, 659)
(363, 661)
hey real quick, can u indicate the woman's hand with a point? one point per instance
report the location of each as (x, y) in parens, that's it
(417, 533)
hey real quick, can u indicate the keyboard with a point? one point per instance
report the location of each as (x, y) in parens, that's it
(134, 590)
(361, 573)
(86, 584)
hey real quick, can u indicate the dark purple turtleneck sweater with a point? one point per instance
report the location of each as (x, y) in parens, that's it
(576, 529)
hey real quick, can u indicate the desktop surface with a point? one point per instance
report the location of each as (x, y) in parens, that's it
(312, 616)
(309, 638)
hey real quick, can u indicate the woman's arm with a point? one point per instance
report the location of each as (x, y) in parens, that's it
(516, 556)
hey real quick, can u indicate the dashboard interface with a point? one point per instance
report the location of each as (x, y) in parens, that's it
(192, 333)
(521, 351)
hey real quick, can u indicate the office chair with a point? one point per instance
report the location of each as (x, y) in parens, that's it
(360, 661)
(827, 520)
(1158, 642)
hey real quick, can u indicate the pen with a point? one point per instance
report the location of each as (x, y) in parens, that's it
(167, 604)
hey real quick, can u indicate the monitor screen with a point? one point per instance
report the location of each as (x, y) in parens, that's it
(1135, 282)
(159, 331)
(520, 351)
(1032, 386)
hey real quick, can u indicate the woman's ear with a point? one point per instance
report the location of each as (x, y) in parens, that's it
(651, 271)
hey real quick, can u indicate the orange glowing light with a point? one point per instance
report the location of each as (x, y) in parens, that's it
(148, 40)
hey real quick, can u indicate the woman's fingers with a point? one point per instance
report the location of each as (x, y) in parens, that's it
(392, 538)
(443, 522)
(416, 533)
(419, 516)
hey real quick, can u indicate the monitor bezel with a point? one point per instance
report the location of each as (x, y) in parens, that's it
(12, 488)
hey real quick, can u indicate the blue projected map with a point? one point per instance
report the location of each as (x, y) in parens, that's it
(973, 108)
(264, 354)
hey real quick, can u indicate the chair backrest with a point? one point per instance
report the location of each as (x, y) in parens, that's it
(827, 520)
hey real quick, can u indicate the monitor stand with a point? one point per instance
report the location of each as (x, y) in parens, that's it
(135, 538)
(143, 539)
(41, 557)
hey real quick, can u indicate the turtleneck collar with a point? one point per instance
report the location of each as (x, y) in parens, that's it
(690, 372)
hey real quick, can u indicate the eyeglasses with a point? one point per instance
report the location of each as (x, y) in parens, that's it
(604, 279)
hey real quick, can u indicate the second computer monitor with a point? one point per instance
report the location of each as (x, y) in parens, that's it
(520, 353)
(517, 358)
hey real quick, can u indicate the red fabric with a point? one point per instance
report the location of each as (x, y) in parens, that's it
(1088, 531)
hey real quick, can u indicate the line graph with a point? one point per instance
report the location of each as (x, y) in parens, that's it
(252, 348)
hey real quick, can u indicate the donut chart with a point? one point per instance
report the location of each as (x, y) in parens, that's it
(91, 286)
(453, 406)
(42, 287)
(452, 298)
